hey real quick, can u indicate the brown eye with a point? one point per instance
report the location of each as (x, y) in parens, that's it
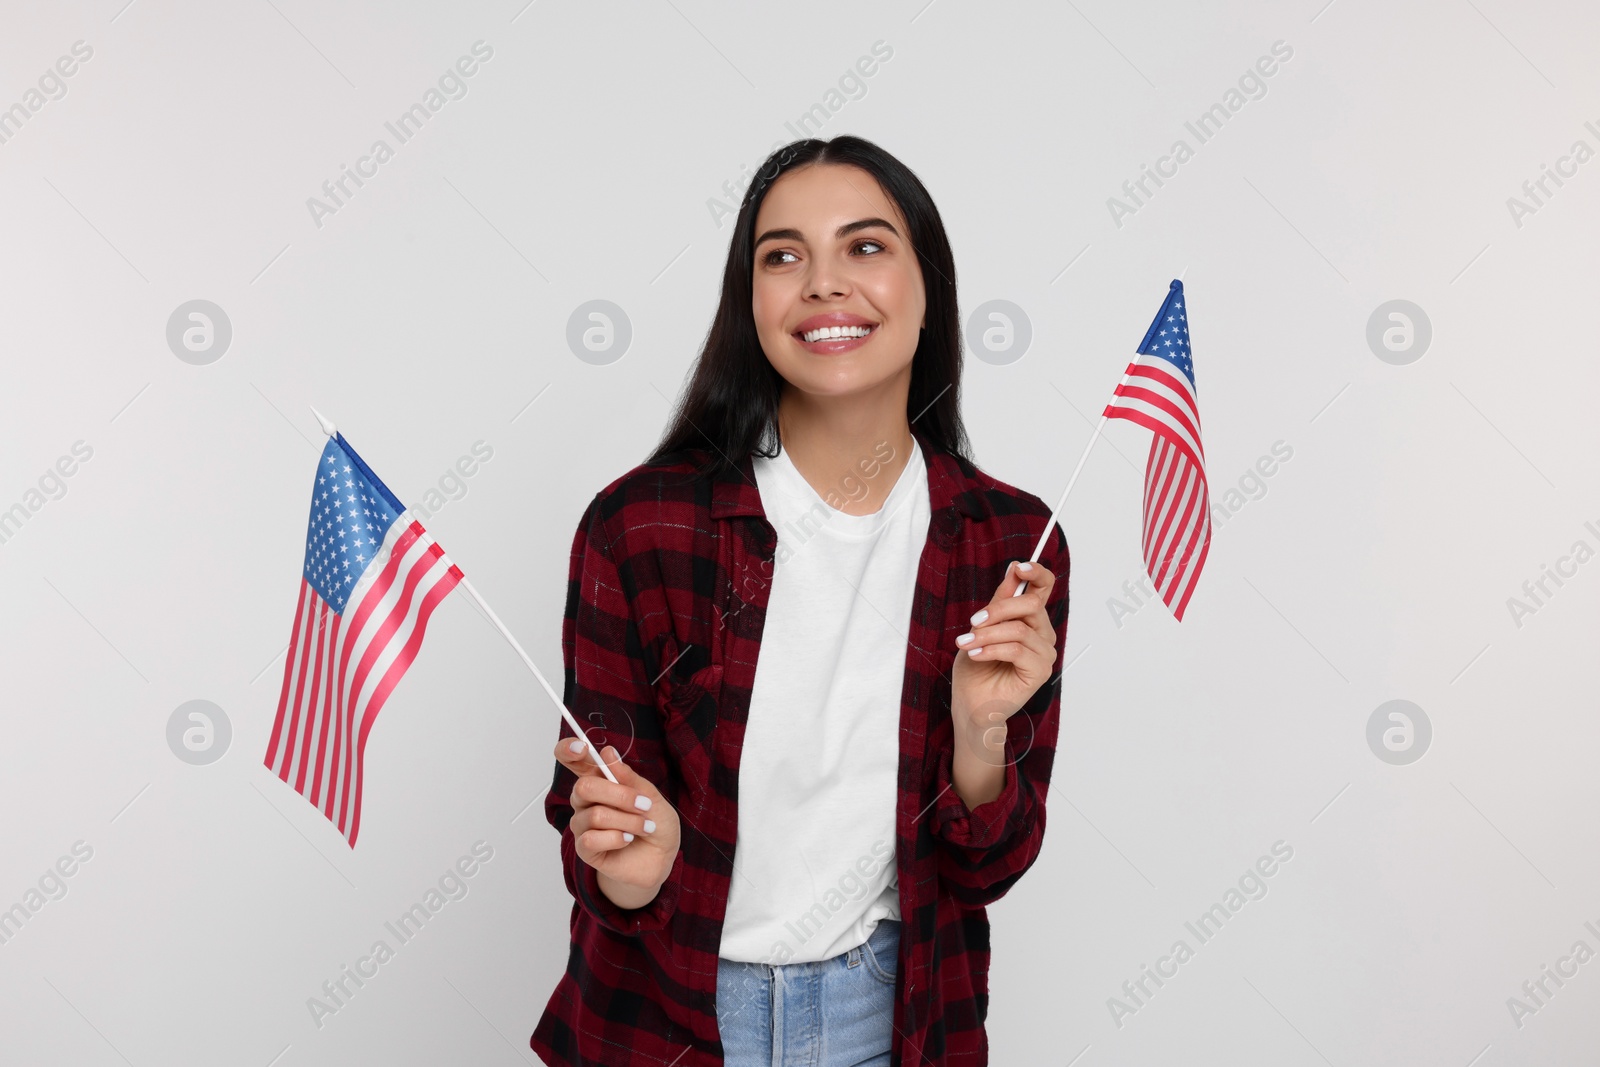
(869, 241)
(767, 259)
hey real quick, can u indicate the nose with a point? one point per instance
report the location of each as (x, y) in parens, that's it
(826, 281)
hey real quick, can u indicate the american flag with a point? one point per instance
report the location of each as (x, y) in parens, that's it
(1160, 396)
(372, 578)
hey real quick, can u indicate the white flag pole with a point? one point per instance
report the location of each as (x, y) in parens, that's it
(571, 720)
(329, 429)
(1055, 516)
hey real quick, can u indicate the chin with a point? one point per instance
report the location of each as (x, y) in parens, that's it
(839, 385)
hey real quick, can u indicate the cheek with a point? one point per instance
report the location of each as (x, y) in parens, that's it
(772, 299)
(769, 308)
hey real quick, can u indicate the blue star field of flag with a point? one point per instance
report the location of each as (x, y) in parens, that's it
(349, 518)
(1169, 336)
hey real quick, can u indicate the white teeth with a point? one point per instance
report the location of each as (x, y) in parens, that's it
(828, 333)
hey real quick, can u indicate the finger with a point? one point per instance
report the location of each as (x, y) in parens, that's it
(573, 754)
(630, 792)
(1030, 644)
(1004, 652)
(1029, 578)
(1023, 573)
(1027, 661)
(580, 763)
(604, 817)
(993, 633)
(1029, 606)
(595, 842)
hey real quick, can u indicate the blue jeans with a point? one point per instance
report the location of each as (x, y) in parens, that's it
(837, 1012)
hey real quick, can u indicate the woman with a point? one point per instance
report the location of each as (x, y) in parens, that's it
(794, 635)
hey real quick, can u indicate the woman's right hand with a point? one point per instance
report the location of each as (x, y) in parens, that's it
(604, 811)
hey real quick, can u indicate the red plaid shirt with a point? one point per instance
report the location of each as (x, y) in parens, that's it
(666, 597)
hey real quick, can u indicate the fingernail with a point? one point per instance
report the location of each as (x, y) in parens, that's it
(1024, 567)
(576, 747)
(980, 616)
(964, 639)
(649, 826)
(973, 651)
(627, 836)
(642, 802)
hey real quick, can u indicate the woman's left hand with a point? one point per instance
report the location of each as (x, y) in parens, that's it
(1009, 653)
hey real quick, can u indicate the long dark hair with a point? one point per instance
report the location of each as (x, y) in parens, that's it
(729, 409)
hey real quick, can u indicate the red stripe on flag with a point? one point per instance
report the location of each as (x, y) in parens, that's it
(1194, 577)
(1186, 497)
(1174, 383)
(396, 670)
(1152, 516)
(304, 659)
(369, 603)
(288, 670)
(1152, 468)
(327, 715)
(1179, 417)
(1160, 551)
(311, 707)
(1202, 529)
(396, 617)
(1155, 425)
(1172, 463)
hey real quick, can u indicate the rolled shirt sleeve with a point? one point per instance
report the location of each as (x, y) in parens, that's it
(608, 690)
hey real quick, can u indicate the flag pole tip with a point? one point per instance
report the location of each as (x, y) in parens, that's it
(323, 421)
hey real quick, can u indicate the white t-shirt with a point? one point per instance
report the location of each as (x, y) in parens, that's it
(815, 856)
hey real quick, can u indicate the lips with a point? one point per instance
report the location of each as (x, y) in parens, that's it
(834, 345)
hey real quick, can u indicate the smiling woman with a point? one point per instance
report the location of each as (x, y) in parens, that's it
(881, 686)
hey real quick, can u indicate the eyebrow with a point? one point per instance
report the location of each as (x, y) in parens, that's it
(843, 231)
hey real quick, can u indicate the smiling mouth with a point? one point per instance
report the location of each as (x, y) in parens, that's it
(835, 333)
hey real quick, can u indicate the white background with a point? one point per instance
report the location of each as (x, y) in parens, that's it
(429, 311)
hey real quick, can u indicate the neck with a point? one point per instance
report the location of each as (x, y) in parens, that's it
(852, 449)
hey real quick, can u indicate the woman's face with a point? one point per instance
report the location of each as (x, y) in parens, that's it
(833, 250)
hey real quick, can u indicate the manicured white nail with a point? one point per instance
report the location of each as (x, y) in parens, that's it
(576, 747)
(642, 802)
(977, 620)
(649, 826)
(964, 639)
(973, 651)
(1024, 567)
(627, 836)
